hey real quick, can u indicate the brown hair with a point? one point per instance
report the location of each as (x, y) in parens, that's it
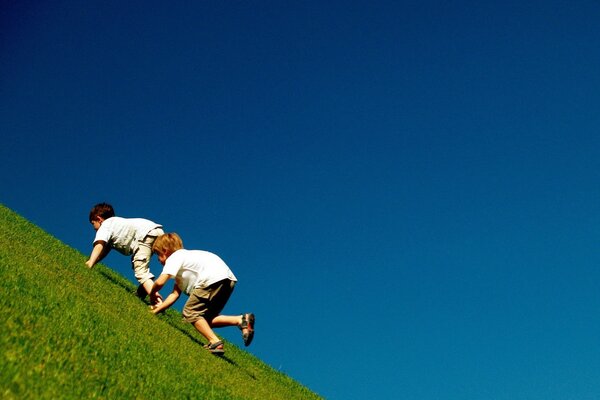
(103, 210)
(167, 244)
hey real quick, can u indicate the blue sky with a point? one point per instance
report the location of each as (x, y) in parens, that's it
(407, 191)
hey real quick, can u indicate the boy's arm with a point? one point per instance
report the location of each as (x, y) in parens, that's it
(171, 298)
(99, 251)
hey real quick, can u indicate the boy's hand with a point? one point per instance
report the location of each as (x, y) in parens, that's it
(155, 298)
(155, 309)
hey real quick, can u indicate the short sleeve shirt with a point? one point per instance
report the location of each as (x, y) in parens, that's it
(196, 269)
(123, 234)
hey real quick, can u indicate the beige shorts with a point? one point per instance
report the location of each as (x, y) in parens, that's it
(140, 260)
(208, 302)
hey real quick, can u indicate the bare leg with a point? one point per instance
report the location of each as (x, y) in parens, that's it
(247, 326)
(148, 285)
(226, 320)
(205, 330)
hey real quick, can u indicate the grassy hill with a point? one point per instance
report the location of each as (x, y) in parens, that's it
(71, 332)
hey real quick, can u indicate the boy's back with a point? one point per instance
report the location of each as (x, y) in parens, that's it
(123, 234)
(196, 268)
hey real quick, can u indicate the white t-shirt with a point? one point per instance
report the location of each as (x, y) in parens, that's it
(196, 269)
(123, 234)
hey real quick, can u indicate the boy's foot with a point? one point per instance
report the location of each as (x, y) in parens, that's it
(247, 327)
(215, 348)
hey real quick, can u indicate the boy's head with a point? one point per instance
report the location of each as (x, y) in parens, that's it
(165, 245)
(99, 213)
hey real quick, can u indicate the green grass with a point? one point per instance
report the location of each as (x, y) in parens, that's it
(71, 332)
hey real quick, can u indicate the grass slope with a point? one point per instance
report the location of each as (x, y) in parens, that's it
(70, 332)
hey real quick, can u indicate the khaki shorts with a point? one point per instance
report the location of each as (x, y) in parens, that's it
(140, 260)
(208, 302)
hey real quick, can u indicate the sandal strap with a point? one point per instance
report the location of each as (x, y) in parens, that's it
(213, 345)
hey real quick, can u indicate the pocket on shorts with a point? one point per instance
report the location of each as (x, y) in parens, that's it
(139, 258)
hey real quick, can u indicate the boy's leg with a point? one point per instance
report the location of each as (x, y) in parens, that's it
(215, 345)
(140, 261)
(204, 305)
(244, 322)
(205, 330)
(140, 264)
(226, 320)
(148, 285)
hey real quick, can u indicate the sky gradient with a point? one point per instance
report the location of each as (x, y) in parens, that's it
(407, 191)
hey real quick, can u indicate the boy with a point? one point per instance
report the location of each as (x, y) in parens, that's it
(208, 282)
(129, 236)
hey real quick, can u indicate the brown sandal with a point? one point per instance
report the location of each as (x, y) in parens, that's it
(247, 328)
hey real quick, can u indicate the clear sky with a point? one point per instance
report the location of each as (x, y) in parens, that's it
(407, 191)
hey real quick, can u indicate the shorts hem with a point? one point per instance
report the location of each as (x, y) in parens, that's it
(144, 280)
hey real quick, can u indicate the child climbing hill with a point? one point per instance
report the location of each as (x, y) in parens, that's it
(208, 281)
(129, 236)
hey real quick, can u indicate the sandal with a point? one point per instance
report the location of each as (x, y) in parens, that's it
(215, 348)
(247, 328)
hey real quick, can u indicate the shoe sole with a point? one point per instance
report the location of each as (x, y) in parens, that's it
(250, 330)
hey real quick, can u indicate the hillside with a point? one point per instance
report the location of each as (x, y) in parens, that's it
(70, 332)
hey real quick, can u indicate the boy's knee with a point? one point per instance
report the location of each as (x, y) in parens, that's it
(141, 271)
(143, 277)
(192, 319)
(192, 316)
